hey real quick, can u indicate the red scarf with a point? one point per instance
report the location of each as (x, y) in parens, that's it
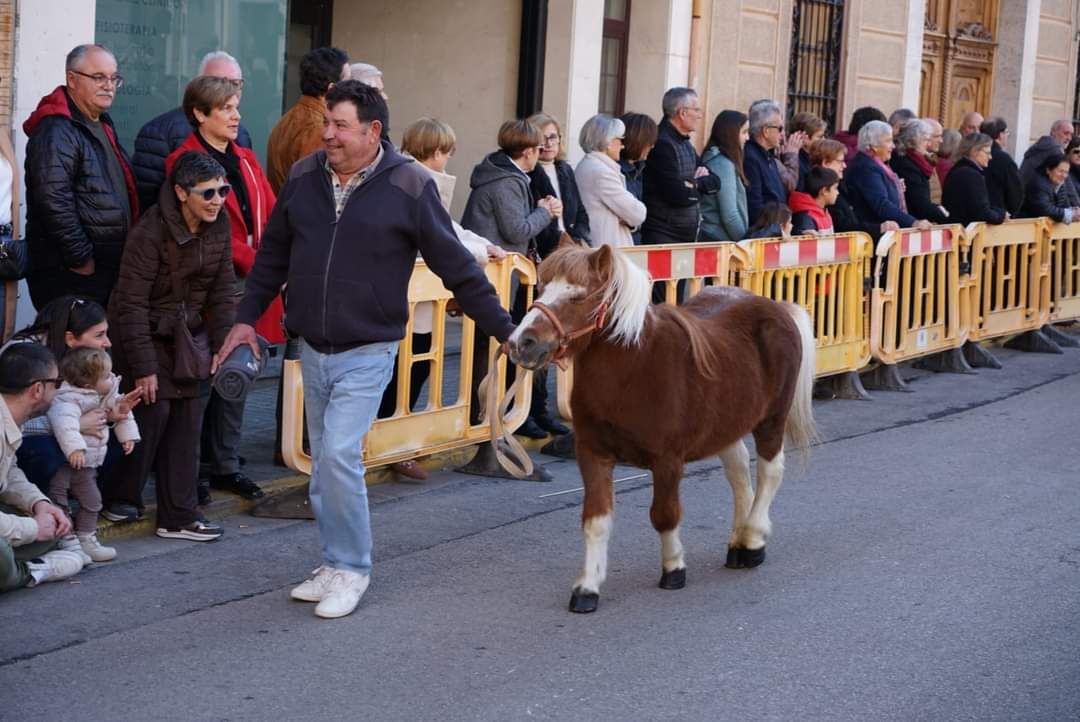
(921, 160)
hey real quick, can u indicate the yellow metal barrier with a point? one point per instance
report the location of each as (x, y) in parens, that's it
(915, 304)
(697, 264)
(826, 276)
(1009, 288)
(1064, 271)
(443, 424)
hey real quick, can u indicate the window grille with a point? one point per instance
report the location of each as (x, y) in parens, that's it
(817, 33)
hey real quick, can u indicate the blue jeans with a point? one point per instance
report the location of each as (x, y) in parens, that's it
(342, 392)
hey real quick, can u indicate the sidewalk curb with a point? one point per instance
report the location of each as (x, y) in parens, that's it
(227, 504)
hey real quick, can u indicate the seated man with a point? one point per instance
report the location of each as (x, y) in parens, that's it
(28, 382)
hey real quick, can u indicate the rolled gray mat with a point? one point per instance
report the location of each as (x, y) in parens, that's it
(239, 371)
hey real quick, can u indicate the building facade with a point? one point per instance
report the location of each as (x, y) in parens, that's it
(475, 63)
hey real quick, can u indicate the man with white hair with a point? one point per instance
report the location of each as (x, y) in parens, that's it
(759, 163)
(1061, 132)
(164, 134)
(368, 74)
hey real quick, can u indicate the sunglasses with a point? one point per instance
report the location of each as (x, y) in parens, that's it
(208, 193)
(56, 382)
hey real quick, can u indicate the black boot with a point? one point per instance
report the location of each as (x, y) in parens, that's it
(531, 429)
(550, 424)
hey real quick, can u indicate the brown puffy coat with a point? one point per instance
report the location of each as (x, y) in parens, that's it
(142, 309)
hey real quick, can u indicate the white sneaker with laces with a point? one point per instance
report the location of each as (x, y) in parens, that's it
(54, 566)
(312, 590)
(93, 548)
(70, 543)
(342, 594)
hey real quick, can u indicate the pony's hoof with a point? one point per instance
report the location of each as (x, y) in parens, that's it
(740, 558)
(582, 602)
(675, 579)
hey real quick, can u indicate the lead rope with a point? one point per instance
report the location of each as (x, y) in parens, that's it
(515, 459)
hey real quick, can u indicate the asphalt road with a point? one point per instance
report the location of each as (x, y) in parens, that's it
(926, 566)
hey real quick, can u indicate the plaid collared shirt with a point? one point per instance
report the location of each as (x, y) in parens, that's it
(342, 192)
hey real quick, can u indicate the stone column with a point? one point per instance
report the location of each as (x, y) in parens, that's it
(572, 66)
(659, 55)
(1014, 69)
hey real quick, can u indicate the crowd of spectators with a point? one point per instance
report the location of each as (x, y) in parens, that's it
(136, 266)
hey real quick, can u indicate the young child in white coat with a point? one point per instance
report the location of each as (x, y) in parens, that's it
(89, 383)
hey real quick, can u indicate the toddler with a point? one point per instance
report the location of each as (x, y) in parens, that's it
(89, 383)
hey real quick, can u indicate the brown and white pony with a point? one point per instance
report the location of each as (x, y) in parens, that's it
(657, 386)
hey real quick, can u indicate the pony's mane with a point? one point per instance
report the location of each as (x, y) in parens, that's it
(628, 297)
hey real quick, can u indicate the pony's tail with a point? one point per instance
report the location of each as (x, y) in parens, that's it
(801, 430)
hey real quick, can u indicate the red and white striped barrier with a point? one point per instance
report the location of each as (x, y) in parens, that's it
(916, 243)
(807, 252)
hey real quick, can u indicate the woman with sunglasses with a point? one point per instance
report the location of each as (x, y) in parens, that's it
(176, 264)
(212, 106)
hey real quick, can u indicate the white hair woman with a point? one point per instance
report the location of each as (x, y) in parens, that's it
(910, 162)
(876, 193)
(613, 211)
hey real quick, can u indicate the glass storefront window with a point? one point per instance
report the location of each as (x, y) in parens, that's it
(158, 45)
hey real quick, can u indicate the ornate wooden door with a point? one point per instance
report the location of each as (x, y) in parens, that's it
(958, 58)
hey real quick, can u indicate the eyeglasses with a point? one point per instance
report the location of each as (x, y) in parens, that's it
(56, 382)
(553, 138)
(237, 83)
(101, 80)
(774, 127)
(208, 193)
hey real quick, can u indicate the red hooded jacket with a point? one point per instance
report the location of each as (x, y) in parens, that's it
(800, 202)
(261, 199)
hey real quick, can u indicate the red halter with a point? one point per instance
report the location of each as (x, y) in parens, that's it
(565, 339)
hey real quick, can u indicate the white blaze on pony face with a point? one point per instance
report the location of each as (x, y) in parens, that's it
(597, 531)
(556, 293)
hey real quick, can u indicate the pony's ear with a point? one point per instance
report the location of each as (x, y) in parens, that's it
(601, 260)
(565, 240)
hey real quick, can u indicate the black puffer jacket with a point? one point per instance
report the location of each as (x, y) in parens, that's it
(1041, 198)
(73, 212)
(155, 141)
(574, 217)
(672, 193)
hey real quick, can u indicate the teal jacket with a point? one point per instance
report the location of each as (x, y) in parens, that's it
(723, 214)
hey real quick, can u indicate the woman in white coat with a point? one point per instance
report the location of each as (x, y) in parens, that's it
(613, 211)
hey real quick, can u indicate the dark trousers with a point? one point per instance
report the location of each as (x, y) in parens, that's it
(40, 457)
(81, 484)
(222, 427)
(418, 376)
(170, 445)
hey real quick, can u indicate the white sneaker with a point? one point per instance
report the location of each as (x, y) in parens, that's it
(93, 548)
(342, 594)
(312, 590)
(54, 566)
(70, 543)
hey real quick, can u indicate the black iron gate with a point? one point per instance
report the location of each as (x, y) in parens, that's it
(817, 33)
